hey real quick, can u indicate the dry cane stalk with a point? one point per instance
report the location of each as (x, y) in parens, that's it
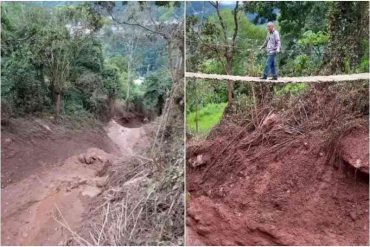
(65, 224)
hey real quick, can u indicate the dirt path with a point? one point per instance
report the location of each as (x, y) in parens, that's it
(127, 139)
(60, 191)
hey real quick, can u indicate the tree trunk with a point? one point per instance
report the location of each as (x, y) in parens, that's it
(230, 86)
(128, 81)
(111, 106)
(196, 110)
(130, 64)
(57, 105)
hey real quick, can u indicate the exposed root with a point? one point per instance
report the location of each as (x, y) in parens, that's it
(282, 123)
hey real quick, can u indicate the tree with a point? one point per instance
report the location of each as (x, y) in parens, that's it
(58, 55)
(348, 28)
(217, 36)
(53, 46)
(111, 85)
(149, 17)
(23, 83)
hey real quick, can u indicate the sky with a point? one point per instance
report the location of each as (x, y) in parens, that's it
(231, 3)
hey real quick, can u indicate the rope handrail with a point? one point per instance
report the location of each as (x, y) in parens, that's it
(306, 79)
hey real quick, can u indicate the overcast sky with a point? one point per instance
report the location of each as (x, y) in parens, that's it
(227, 2)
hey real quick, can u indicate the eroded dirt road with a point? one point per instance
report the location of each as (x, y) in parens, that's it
(39, 206)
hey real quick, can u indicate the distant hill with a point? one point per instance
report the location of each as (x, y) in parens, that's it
(196, 9)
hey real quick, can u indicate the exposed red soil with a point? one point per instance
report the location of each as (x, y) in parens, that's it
(29, 145)
(295, 197)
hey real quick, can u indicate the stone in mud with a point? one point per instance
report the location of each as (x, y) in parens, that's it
(101, 182)
(306, 146)
(104, 169)
(352, 215)
(7, 141)
(201, 159)
(81, 158)
(89, 159)
(269, 122)
(202, 230)
(91, 191)
(355, 151)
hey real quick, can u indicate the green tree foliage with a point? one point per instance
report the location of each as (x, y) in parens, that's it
(348, 28)
(337, 32)
(73, 59)
(221, 42)
(21, 84)
(156, 90)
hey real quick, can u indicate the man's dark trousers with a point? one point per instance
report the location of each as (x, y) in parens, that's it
(270, 65)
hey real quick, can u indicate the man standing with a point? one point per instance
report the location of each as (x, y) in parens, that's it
(272, 45)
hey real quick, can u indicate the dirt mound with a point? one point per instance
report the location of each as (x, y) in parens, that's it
(354, 149)
(29, 145)
(59, 193)
(271, 182)
(296, 198)
(52, 174)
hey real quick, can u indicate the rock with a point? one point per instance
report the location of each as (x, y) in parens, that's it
(91, 191)
(7, 141)
(352, 215)
(81, 158)
(305, 144)
(203, 230)
(99, 158)
(209, 193)
(269, 121)
(199, 160)
(101, 172)
(355, 150)
(89, 159)
(46, 127)
(101, 183)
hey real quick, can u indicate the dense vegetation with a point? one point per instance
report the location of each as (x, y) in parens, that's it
(317, 38)
(72, 59)
(314, 35)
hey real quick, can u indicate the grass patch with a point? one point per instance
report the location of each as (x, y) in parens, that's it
(208, 117)
(291, 89)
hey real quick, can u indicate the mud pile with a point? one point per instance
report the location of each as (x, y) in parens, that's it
(290, 179)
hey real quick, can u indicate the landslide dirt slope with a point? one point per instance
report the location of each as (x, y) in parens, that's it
(50, 175)
(281, 190)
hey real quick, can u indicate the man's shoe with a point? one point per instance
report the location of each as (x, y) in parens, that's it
(274, 78)
(263, 78)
